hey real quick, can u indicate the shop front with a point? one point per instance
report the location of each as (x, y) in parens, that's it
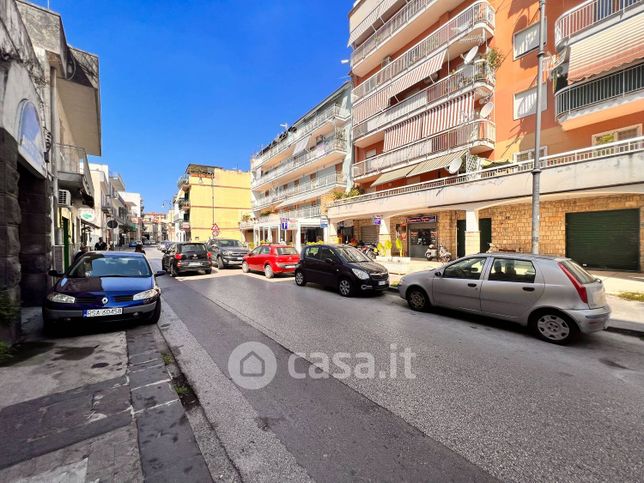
(421, 232)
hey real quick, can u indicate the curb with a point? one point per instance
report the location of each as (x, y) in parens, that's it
(620, 330)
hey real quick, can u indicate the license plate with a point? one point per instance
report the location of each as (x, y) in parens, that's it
(290, 266)
(382, 282)
(194, 264)
(235, 261)
(102, 312)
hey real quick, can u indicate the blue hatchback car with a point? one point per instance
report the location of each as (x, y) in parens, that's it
(104, 286)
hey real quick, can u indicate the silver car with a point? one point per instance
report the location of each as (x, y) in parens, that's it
(553, 296)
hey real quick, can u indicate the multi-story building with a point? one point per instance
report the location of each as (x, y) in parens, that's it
(102, 211)
(133, 203)
(209, 197)
(444, 104)
(295, 176)
(154, 227)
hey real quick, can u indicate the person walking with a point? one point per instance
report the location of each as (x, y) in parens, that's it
(100, 245)
(139, 249)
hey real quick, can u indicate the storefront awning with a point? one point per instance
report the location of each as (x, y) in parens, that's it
(301, 145)
(435, 163)
(417, 74)
(391, 176)
(617, 45)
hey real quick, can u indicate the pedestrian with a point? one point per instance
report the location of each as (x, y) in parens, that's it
(139, 249)
(83, 250)
(100, 245)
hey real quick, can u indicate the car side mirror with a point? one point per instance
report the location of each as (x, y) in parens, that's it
(160, 273)
(438, 274)
(55, 273)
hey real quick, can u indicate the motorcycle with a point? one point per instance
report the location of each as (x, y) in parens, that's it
(441, 254)
(369, 249)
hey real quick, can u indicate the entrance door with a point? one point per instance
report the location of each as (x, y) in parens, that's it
(485, 228)
(604, 239)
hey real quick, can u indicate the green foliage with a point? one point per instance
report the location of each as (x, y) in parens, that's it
(5, 352)
(634, 296)
(388, 246)
(381, 248)
(9, 310)
(167, 358)
(315, 243)
(181, 390)
(400, 246)
(352, 193)
(494, 58)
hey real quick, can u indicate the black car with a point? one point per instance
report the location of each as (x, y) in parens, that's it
(342, 267)
(227, 251)
(186, 257)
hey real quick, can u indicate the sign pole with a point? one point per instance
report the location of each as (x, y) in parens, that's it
(536, 169)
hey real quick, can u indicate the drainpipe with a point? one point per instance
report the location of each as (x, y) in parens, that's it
(53, 125)
(536, 169)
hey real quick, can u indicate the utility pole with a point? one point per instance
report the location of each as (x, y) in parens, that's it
(536, 168)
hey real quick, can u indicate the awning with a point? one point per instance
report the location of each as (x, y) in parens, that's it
(369, 20)
(449, 115)
(301, 145)
(371, 105)
(404, 133)
(435, 163)
(391, 176)
(292, 200)
(617, 45)
(417, 74)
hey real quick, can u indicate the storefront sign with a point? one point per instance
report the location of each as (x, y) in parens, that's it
(324, 221)
(87, 214)
(422, 219)
(376, 220)
(30, 140)
(284, 223)
(345, 224)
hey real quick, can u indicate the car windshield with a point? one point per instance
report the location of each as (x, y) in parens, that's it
(97, 265)
(193, 247)
(228, 243)
(350, 254)
(286, 251)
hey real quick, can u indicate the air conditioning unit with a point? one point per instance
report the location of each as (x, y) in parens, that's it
(385, 61)
(64, 198)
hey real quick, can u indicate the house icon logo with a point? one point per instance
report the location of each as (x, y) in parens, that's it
(252, 365)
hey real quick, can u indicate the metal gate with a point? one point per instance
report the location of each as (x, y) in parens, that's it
(369, 233)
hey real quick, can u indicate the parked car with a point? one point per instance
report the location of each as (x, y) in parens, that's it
(271, 259)
(227, 252)
(104, 286)
(553, 296)
(186, 257)
(134, 243)
(343, 267)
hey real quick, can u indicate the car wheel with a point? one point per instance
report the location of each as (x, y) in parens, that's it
(268, 271)
(156, 315)
(417, 299)
(299, 278)
(554, 327)
(220, 263)
(208, 271)
(245, 268)
(345, 287)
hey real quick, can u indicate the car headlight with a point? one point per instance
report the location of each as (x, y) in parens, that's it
(61, 298)
(226, 252)
(148, 294)
(402, 280)
(361, 274)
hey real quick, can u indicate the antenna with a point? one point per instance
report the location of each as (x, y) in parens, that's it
(284, 125)
(486, 110)
(469, 57)
(455, 165)
(344, 61)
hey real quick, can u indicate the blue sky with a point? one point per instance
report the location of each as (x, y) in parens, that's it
(203, 81)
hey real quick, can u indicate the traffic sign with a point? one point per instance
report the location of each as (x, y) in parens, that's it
(284, 223)
(215, 229)
(324, 221)
(376, 219)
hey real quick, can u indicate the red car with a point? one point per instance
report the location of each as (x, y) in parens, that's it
(271, 259)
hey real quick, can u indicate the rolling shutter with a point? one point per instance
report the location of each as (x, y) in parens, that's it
(369, 233)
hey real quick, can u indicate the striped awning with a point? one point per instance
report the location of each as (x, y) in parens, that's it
(367, 107)
(615, 46)
(301, 145)
(369, 20)
(449, 115)
(435, 163)
(391, 176)
(404, 133)
(292, 200)
(417, 74)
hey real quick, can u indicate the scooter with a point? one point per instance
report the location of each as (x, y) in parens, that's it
(441, 254)
(370, 250)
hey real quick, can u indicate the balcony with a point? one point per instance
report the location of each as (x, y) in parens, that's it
(480, 77)
(474, 23)
(73, 172)
(317, 156)
(312, 211)
(614, 95)
(312, 188)
(406, 24)
(589, 14)
(582, 171)
(477, 135)
(184, 182)
(106, 205)
(289, 138)
(184, 204)
(273, 219)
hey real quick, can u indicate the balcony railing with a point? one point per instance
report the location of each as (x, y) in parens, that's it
(304, 129)
(480, 12)
(588, 14)
(184, 180)
(628, 146)
(476, 131)
(280, 194)
(428, 97)
(184, 204)
(613, 86)
(312, 211)
(73, 160)
(389, 28)
(336, 143)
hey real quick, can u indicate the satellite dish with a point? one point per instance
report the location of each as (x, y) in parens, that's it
(486, 110)
(455, 165)
(469, 57)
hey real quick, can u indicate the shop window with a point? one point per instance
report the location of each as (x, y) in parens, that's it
(505, 270)
(469, 269)
(526, 40)
(617, 135)
(525, 103)
(529, 154)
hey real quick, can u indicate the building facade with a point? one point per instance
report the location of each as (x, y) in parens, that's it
(444, 104)
(297, 175)
(209, 197)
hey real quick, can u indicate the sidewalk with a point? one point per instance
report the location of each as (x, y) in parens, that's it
(93, 407)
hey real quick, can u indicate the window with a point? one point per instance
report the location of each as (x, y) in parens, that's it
(529, 154)
(97, 265)
(312, 252)
(193, 247)
(469, 269)
(286, 251)
(370, 154)
(256, 251)
(617, 135)
(526, 40)
(326, 253)
(507, 270)
(265, 250)
(525, 103)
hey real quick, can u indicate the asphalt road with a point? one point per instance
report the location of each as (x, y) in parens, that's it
(487, 401)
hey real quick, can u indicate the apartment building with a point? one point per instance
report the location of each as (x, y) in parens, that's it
(211, 202)
(297, 174)
(444, 104)
(134, 206)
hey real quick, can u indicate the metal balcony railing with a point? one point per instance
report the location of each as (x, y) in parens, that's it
(480, 130)
(280, 194)
(590, 13)
(73, 159)
(312, 211)
(184, 180)
(429, 97)
(337, 143)
(390, 28)
(628, 146)
(613, 86)
(184, 204)
(480, 12)
(304, 129)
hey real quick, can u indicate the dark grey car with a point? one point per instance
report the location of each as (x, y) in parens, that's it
(227, 252)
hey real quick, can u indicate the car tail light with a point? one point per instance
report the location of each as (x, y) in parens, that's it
(178, 256)
(209, 256)
(581, 290)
